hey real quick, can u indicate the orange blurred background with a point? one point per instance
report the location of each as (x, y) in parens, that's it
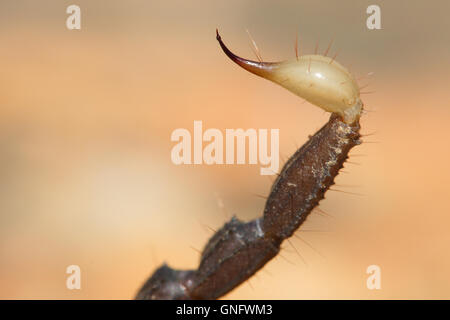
(85, 124)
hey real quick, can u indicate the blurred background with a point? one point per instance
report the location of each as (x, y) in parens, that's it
(86, 117)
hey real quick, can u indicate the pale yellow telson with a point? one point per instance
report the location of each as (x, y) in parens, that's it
(316, 78)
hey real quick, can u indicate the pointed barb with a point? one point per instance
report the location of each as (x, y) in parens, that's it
(260, 68)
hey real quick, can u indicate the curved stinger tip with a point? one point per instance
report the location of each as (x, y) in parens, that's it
(259, 68)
